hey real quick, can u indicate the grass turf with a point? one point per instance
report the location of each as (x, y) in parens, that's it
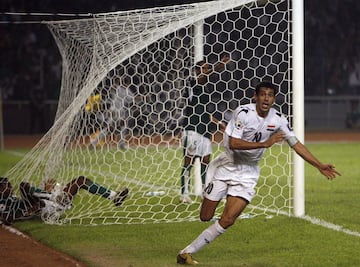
(280, 241)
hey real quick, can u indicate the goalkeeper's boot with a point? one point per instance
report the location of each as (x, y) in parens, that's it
(186, 259)
(120, 197)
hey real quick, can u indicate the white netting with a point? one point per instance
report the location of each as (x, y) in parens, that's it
(152, 52)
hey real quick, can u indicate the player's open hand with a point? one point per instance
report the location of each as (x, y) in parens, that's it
(329, 171)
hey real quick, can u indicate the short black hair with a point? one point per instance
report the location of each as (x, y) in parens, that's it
(3, 180)
(265, 84)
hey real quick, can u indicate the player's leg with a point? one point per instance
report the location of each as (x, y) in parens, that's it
(185, 176)
(82, 182)
(205, 160)
(208, 208)
(233, 208)
(122, 134)
(188, 153)
(214, 192)
(204, 150)
(6, 189)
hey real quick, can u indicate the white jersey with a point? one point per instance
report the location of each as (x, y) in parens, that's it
(246, 124)
(195, 144)
(236, 172)
(121, 99)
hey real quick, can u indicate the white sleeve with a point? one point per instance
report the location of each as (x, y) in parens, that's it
(236, 125)
(289, 134)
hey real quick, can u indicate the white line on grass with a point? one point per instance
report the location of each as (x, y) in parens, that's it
(330, 225)
(313, 220)
(14, 231)
(15, 153)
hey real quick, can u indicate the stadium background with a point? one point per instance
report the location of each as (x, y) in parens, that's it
(29, 57)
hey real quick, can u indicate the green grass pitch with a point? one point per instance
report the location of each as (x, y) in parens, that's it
(257, 242)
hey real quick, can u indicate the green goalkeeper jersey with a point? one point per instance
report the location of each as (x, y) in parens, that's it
(196, 116)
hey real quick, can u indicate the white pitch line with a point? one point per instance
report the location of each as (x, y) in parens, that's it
(15, 153)
(14, 231)
(331, 226)
(319, 222)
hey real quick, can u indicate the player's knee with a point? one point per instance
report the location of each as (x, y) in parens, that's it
(81, 180)
(226, 221)
(205, 217)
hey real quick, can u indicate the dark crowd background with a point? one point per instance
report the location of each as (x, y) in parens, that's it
(30, 67)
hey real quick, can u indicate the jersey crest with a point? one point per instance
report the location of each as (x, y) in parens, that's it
(238, 124)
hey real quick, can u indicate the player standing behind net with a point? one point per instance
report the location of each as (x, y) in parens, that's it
(235, 173)
(116, 112)
(49, 202)
(196, 136)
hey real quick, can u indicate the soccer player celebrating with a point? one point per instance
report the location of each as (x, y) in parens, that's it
(50, 202)
(234, 173)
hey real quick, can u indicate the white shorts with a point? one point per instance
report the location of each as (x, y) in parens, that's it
(196, 144)
(224, 178)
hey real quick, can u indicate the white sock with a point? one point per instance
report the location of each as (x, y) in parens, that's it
(187, 182)
(112, 195)
(206, 237)
(42, 195)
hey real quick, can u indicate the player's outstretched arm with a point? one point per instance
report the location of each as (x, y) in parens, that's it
(328, 170)
(237, 143)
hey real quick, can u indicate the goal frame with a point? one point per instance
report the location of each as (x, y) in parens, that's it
(298, 103)
(58, 138)
(297, 84)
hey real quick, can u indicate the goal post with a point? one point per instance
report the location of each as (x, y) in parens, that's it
(121, 108)
(298, 96)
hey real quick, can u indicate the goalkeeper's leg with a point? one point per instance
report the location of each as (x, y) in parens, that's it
(85, 183)
(185, 180)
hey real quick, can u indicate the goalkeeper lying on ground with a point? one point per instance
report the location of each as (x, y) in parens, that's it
(50, 201)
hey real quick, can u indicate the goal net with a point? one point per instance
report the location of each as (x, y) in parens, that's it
(121, 106)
